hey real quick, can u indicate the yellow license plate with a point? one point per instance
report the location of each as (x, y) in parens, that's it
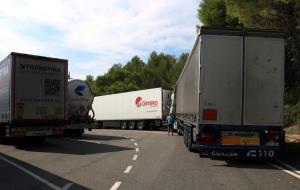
(239, 138)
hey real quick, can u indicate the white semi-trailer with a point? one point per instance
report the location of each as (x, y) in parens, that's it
(229, 96)
(33, 93)
(137, 109)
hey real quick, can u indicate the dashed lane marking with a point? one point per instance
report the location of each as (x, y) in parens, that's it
(49, 184)
(135, 144)
(132, 140)
(127, 170)
(116, 185)
(137, 149)
(135, 157)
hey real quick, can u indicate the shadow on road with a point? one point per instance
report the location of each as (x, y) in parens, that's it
(66, 146)
(101, 137)
(249, 164)
(291, 154)
(14, 177)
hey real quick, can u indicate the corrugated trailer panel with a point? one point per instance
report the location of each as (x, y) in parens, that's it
(5, 79)
(136, 105)
(187, 87)
(264, 81)
(221, 76)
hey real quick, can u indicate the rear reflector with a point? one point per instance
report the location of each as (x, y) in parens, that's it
(209, 114)
(207, 137)
(272, 138)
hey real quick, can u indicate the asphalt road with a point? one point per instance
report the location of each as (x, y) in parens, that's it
(128, 160)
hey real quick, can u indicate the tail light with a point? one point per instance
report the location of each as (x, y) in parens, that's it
(18, 132)
(58, 131)
(207, 137)
(272, 138)
(209, 114)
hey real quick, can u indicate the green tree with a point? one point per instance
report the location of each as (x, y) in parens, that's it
(214, 13)
(161, 70)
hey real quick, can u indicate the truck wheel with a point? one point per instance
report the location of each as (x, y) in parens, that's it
(178, 132)
(189, 141)
(141, 125)
(36, 140)
(79, 132)
(185, 137)
(131, 125)
(124, 125)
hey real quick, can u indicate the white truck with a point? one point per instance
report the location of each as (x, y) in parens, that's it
(229, 97)
(137, 109)
(33, 93)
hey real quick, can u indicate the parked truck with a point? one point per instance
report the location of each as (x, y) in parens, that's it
(229, 97)
(80, 112)
(137, 109)
(33, 93)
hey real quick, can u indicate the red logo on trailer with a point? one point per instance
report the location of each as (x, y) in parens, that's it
(139, 102)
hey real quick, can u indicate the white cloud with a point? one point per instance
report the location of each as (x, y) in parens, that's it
(113, 30)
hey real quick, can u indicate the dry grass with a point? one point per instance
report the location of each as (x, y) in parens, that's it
(293, 130)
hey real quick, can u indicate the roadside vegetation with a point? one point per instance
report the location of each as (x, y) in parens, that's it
(162, 70)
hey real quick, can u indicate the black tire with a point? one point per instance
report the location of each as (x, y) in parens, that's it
(189, 140)
(123, 125)
(79, 132)
(179, 133)
(36, 140)
(141, 125)
(185, 137)
(131, 125)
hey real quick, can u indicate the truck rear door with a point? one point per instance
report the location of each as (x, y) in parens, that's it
(263, 81)
(221, 79)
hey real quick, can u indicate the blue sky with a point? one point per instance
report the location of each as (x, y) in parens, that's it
(95, 34)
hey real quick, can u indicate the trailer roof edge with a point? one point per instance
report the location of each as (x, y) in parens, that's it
(39, 57)
(239, 31)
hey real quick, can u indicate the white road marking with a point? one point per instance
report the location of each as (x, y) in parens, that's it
(116, 185)
(135, 144)
(284, 170)
(128, 169)
(132, 140)
(137, 149)
(135, 157)
(288, 166)
(49, 184)
(67, 186)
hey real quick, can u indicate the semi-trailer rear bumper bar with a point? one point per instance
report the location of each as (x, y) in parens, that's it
(253, 152)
